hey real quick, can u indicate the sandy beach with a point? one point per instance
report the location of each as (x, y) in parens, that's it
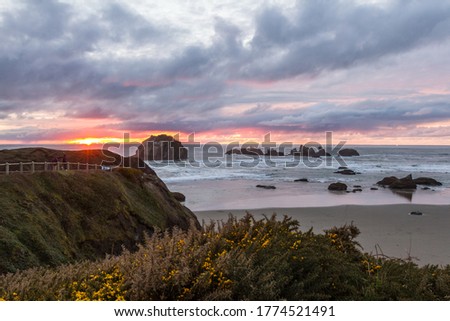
(389, 229)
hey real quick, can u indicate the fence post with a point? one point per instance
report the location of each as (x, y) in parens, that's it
(32, 167)
(68, 166)
(21, 167)
(7, 168)
(95, 166)
(45, 166)
(78, 166)
(87, 167)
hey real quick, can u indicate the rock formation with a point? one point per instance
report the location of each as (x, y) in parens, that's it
(249, 151)
(427, 181)
(348, 152)
(162, 148)
(398, 183)
(337, 187)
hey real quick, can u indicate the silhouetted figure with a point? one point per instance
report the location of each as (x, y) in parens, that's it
(64, 160)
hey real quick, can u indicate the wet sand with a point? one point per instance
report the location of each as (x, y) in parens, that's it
(387, 229)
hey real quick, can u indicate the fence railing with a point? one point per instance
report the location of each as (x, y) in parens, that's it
(32, 167)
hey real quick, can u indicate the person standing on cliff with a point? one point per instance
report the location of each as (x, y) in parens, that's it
(64, 160)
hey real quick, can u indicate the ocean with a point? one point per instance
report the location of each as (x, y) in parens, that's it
(232, 185)
(221, 183)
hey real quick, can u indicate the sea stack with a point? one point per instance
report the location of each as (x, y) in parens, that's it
(162, 147)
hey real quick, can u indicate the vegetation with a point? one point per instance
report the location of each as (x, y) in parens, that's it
(244, 259)
(53, 218)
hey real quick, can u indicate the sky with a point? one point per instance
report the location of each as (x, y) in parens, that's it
(370, 72)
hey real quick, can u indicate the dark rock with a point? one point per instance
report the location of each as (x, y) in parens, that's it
(348, 152)
(273, 152)
(337, 187)
(387, 181)
(374, 189)
(426, 188)
(346, 172)
(234, 151)
(321, 152)
(404, 183)
(357, 190)
(407, 182)
(250, 151)
(266, 186)
(306, 151)
(427, 181)
(179, 196)
(415, 213)
(301, 180)
(162, 147)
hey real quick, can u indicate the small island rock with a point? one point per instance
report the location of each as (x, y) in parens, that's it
(427, 181)
(348, 152)
(337, 187)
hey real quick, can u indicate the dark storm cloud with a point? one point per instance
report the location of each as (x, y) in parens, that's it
(329, 34)
(55, 56)
(362, 117)
(46, 47)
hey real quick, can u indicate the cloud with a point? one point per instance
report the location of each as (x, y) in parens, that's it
(118, 61)
(33, 134)
(327, 35)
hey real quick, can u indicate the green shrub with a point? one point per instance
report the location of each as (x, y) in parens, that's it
(246, 259)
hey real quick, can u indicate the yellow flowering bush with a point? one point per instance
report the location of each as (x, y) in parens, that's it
(239, 259)
(102, 286)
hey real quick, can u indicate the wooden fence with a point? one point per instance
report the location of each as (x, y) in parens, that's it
(32, 167)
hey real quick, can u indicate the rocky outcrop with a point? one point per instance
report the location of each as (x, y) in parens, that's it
(305, 180)
(407, 182)
(398, 183)
(252, 151)
(387, 181)
(162, 148)
(348, 152)
(404, 183)
(337, 187)
(273, 152)
(249, 151)
(427, 181)
(180, 197)
(306, 151)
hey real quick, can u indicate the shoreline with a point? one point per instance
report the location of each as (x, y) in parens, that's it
(385, 229)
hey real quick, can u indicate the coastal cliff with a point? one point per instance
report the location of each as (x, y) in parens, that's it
(57, 217)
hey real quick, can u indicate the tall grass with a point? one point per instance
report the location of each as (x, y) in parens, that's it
(246, 259)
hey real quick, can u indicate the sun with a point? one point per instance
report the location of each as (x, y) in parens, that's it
(91, 140)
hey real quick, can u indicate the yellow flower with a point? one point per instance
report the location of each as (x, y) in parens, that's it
(296, 245)
(265, 244)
